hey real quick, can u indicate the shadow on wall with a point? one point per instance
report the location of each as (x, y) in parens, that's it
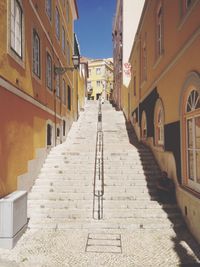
(184, 244)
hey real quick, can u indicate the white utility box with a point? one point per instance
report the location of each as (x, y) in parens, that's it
(13, 218)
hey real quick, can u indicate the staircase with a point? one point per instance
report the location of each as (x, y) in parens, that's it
(62, 197)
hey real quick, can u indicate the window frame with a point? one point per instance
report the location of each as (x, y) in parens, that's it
(159, 30)
(67, 12)
(48, 9)
(57, 79)
(63, 40)
(36, 60)
(191, 116)
(159, 123)
(68, 53)
(98, 71)
(144, 123)
(134, 85)
(57, 23)
(49, 72)
(15, 4)
(64, 98)
(98, 83)
(69, 98)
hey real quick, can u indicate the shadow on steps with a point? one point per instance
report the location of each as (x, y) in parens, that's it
(183, 238)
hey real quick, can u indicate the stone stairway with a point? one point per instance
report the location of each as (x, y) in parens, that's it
(62, 197)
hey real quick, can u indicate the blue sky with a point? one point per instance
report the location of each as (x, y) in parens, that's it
(94, 27)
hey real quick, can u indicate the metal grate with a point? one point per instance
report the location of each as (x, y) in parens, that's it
(104, 243)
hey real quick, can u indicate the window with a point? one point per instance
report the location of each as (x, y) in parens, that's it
(89, 85)
(90, 71)
(49, 72)
(57, 24)
(68, 53)
(144, 62)
(64, 92)
(57, 86)
(134, 86)
(36, 54)
(159, 31)
(69, 97)
(144, 126)
(98, 71)
(63, 39)
(159, 123)
(134, 118)
(193, 139)
(98, 83)
(186, 5)
(67, 11)
(49, 8)
(16, 28)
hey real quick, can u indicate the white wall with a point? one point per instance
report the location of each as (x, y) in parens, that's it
(132, 10)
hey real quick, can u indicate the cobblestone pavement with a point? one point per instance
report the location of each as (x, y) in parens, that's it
(136, 229)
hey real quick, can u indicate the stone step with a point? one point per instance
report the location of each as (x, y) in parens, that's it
(65, 182)
(43, 211)
(131, 224)
(64, 178)
(107, 204)
(64, 188)
(60, 196)
(63, 170)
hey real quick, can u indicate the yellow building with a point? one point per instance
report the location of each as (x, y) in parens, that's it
(37, 105)
(100, 81)
(82, 83)
(163, 97)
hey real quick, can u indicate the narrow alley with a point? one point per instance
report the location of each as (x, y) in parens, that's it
(134, 228)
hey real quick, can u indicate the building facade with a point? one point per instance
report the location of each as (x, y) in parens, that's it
(82, 85)
(164, 95)
(100, 80)
(124, 29)
(36, 104)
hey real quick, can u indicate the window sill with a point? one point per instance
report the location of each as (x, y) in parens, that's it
(185, 16)
(190, 190)
(159, 148)
(50, 90)
(16, 58)
(143, 83)
(159, 58)
(38, 79)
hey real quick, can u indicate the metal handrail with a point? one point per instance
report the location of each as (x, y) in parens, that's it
(99, 166)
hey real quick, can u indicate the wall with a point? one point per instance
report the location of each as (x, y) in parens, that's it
(26, 104)
(166, 75)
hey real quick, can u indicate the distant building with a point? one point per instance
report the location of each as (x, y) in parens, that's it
(125, 25)
(100, 80)
(163, 96)
(37, 106)
(82, 85)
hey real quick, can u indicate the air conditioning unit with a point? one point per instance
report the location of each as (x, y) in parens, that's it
(13, 218)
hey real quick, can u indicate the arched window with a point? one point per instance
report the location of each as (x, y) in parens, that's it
(144, 126)
(159, 123)
(192, 138)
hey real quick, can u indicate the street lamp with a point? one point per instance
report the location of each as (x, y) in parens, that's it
(62, 70)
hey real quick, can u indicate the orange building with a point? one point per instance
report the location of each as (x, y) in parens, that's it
(37, 106)
(164, 95)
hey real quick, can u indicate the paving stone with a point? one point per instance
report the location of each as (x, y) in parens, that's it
(136, 229)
